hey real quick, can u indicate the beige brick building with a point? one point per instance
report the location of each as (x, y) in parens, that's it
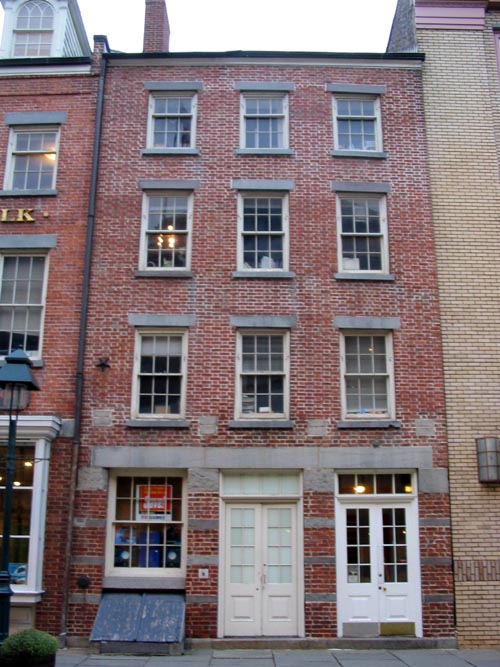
(461, 43)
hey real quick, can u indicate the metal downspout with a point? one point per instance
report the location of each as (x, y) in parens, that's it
(82, 339)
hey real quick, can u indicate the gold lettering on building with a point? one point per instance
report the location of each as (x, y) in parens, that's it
(16, 215)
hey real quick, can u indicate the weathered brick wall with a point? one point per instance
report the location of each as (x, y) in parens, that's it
(313, 296)
(65, 216)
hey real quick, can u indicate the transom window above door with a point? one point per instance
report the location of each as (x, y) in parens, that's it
(369, 484)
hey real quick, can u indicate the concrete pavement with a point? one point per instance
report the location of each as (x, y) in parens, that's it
(206, 657)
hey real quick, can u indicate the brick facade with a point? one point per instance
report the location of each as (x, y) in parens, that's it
(209, 443)
(55, 225)
(313, 304)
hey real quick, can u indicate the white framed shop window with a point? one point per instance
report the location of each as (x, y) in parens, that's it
(31, 472)
(146, 531)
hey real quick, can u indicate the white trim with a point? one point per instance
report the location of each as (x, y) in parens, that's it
(410, 503)
(143, 246)
(382, 200)
(140, 332)
(284, 230)
(238, 412)
(37, 432)
(143, 572)
(389, 358)
(298, 502)
(378, 121)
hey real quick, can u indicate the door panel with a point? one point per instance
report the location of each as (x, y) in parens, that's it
(261, 567)
(378, 568)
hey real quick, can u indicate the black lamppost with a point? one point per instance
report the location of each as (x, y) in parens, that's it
(16, 381)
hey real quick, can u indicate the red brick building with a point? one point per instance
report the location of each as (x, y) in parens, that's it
(48, 93)
(267, 437)
(263, 425)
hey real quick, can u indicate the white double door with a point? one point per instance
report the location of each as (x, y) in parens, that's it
(260, 570)
(378, 569)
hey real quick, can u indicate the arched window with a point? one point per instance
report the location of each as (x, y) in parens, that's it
(34, 30)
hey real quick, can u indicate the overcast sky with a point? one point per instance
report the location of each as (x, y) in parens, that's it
(225, 25)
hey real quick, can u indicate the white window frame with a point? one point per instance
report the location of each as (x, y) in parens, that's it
(357, 97)
(389, 376)
(239, 413)
(140, 333)
(36, 432)
(175, 94)
(262, 95)
(42, 306)
(12, 154)
(242, 196)
(384, 243)
(188, 233)
(148, 572)
(30, 31)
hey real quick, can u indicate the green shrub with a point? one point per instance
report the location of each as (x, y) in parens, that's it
(28, 644)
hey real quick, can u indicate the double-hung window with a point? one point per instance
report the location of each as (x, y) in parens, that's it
(33, 152)
(22, 301)
(33, 30)
(264, 117)
(263, 237)
(167, 230)
(160, 373)
(357, 124)
(167, 220)
(33, 158)
(265, 121)
(172, 116)
(362, 233)
(147, 524)
(367, 375)
(263, 374)
(172, 121)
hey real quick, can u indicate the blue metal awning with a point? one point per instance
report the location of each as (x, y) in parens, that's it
(140, 617)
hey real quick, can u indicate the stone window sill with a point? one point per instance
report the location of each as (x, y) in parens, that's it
(158, 423)
(384, 277)
(164, 273)
(262, 423)
(368, 423)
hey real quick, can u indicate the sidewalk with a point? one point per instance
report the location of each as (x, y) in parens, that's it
(290, 658)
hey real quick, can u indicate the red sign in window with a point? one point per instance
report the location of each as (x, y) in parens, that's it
(154, 502)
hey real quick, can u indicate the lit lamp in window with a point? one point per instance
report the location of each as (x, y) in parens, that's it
(16, 384)
(170, 238)
(488, 459)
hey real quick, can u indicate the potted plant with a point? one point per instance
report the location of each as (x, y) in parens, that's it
(29, 648)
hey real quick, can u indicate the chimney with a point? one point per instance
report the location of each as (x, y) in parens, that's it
(156, 27)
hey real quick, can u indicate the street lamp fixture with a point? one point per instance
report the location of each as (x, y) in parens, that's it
(16, 384)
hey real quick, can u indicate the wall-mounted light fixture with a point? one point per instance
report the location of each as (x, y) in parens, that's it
(488, 459)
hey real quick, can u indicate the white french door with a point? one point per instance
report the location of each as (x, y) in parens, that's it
(378, 569)
(260, 573)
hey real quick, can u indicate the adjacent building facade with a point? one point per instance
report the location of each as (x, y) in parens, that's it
(461, 43)
(48, 98)
(251, 399)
